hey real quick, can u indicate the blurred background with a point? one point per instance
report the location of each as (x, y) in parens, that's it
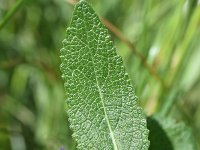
(159, 41)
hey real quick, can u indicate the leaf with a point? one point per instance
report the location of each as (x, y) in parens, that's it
(157, 136)
(103, 109)
(180, 135)
(170, 135)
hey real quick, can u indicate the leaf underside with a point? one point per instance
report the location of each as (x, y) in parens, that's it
(102, 105)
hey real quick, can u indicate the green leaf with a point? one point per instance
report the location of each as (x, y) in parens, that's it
(166, 134)
(157, 136)
(103, 109)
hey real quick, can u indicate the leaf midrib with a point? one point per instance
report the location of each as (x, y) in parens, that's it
(101, 97)
(106, 116)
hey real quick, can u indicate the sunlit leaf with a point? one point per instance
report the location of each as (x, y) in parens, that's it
(103, 109)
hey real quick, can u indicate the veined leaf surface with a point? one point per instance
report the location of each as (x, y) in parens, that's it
(102, 105)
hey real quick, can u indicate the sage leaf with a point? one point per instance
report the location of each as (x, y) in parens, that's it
(158, 136)
(102, 106)
(167, 134)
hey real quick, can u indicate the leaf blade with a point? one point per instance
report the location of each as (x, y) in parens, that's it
(168, 134)
(103, 109)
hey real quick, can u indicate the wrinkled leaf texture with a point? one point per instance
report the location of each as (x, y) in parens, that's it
(102, 106)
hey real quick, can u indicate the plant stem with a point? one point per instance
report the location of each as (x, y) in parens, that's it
(10, 13)
(175, 82)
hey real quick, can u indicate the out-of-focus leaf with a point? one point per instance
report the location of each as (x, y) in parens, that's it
(166, 134)
(157, 136)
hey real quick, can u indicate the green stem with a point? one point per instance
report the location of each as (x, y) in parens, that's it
(10, 13)
(170, 96)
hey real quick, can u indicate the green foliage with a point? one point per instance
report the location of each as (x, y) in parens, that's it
(166, 134)
(180, 135)
(102, 106)
(157, 136)
(165, 34)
